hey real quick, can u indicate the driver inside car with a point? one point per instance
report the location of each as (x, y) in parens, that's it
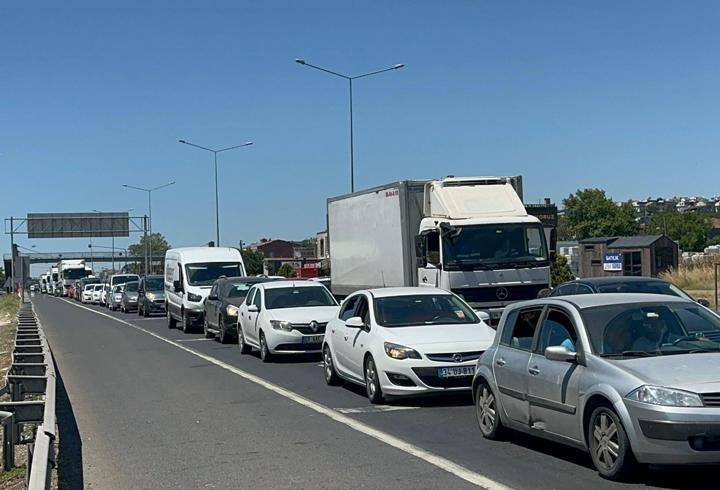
(650, 334)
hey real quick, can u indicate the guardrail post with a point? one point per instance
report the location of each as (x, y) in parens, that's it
(8, 423)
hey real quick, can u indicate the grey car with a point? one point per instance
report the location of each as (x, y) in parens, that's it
(151, 295)
(628, 377)
(129, 300)
(116, 297)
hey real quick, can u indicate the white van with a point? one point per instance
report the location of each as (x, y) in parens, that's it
(189, 275)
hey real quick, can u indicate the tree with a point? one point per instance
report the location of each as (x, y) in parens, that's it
(253, 261)
(286, 270)
(690, 230)
(590, 213)
(560, 271)
(159, 246)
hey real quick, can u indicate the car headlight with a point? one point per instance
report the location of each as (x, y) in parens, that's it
(195, 298)
(118, 297)
(400, 351)
(281, 325)
(231, 310)
(150, 296)
(668, 397)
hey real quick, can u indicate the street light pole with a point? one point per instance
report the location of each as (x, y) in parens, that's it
(217, 200)
(350, 83)
(148, 245)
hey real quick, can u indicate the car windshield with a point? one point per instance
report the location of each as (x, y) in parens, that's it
(89, 287)
(239, 290)
(298, 297)
(204, 274)
(118, 289)
(154, 284)
(124, 279)
(131, 287)
(468, 246)
(422, 309)
(99, 287)
(651, 287)
(652, 329)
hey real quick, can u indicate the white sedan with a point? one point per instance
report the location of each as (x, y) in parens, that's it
(404, 341)
(87, 293)
(285, 317)
(97, 293)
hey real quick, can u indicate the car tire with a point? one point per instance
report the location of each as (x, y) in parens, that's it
(265, 354)
(171, 322)
(222, 332)
(208, 334)
(244, 347)
(372, 381)
(331, 376)
(487, 413)
(186, 325)
(609, 445)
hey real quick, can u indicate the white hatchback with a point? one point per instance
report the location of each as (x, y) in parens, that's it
(404, 341)
(285, 317)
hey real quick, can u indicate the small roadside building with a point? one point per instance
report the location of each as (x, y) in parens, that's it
(642, 255)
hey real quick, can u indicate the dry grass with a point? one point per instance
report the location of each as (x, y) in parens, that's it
(698, 279)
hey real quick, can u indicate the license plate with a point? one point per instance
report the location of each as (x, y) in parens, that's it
(456, 372)
(313, 339)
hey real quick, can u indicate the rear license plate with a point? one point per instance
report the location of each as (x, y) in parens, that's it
(313, 339)
(456, 372)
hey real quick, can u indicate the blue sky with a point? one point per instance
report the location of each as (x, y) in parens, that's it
(619, 95)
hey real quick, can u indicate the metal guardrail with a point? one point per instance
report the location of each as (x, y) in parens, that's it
(31, 374)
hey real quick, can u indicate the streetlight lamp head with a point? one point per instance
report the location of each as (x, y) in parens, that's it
(248, 143)
(398, 66)
(300, 61)
(182, 141)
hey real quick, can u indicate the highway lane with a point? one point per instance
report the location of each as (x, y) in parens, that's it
(443, 426)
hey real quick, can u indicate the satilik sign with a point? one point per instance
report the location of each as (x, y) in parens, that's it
(613, 262)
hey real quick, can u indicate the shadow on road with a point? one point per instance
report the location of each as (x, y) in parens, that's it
(70, 459)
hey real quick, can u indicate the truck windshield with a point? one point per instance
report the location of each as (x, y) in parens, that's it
(476, 245)
(54, 277)
(75, 273)
(204, 274)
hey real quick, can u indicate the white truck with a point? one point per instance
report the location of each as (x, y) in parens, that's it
(54, 280)
(69, 272)
(44, 283)
(471, 236)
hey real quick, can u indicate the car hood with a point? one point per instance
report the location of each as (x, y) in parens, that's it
(131, 295)
(321, 314)
(443, 338)
(699, 373)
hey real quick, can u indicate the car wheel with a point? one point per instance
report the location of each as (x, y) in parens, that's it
(208, 334)
(222, 336)
(609, 445)
(172, 323)
(331, 376)
(487, 414)
(372, 382)
(265, 355)
(244, 348)
(186, 325)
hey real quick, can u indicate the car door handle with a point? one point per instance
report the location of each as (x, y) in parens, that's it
(534, 370)
(500, 362)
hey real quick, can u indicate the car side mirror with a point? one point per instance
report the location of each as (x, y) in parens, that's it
(355, 322)
(177, 286)
(483, 315)
(560, 353)
(704, 302)
(253, 309)
(212, 297)
(544, 293)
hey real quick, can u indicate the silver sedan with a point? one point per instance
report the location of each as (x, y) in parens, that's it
(629, 378)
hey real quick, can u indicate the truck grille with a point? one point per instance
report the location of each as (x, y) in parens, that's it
(494, 294)
(711, 399)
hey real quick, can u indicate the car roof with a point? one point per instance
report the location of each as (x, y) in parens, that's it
(245, 279)
(406, 291)
(287, 283)
(617, 279)
(583, 301)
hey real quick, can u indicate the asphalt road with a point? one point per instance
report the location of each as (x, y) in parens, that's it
(147, 407)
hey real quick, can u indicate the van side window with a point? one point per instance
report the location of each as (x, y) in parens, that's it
(520, 335)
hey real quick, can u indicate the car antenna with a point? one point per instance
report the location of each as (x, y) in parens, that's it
(382, 274)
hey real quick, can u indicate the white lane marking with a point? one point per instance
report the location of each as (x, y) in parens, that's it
(374, 409)
(194, 340)
(389, 439)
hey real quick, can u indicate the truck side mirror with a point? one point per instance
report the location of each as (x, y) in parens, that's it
(553, 255)
(177, 286)
(420, 251)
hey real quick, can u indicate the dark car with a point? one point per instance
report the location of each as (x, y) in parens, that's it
(151, 295)
(129, 301)
(221, 306)
(622, 284)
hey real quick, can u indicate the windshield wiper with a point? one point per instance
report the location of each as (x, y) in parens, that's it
(631, 353)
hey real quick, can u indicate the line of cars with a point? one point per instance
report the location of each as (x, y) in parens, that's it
(627, 371)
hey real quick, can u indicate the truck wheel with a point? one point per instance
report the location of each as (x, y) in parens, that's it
(186, 323)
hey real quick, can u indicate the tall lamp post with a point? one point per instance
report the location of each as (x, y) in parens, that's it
(149, 193)
(350, 84)
(217, 206)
